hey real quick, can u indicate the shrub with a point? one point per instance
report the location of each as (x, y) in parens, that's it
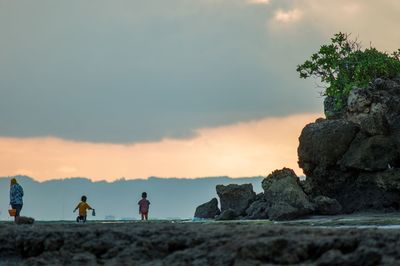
(343, 65)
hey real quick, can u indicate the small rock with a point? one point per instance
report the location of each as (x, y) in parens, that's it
(208, 210)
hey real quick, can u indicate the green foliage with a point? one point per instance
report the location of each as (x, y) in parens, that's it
(343, 65)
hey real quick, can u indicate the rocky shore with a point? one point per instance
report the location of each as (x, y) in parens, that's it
(218, 243)
(351, 159)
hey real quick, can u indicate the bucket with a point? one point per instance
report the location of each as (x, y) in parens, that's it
(12, 212)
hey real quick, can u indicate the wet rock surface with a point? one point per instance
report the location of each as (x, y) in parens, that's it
(194, 244)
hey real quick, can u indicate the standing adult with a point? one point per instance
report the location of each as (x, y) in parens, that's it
(16, 194)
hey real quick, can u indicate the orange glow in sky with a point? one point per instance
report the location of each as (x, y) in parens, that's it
(238, 150)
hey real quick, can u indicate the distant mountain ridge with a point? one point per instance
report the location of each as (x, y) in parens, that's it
(169, 197)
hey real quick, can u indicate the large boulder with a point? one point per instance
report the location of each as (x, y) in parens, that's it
(208, 210)
(282, 189)
(323, 143)
(236, 197)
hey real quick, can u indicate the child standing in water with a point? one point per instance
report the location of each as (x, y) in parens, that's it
(144, 205)
(82, 206)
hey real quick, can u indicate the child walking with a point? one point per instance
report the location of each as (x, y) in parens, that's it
(83, 206)
(144, 205)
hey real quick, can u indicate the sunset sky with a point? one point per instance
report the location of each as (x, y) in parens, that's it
(179, 88)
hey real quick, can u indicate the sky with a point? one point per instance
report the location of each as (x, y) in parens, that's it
(179, 88)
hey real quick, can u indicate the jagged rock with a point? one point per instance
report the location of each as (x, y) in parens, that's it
(258, 210)
(208, 210)
(375, 124)
(371, 153)
(322, 144)
(368, 114)
(326, 206)
(227, 215)
(282, 189)
(236, 197)
(24, 220)
(359, 100)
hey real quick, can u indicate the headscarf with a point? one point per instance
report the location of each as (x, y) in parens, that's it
(13, 181)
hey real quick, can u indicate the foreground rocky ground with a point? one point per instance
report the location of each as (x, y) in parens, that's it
(168, 243)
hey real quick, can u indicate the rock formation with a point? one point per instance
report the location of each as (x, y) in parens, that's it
(286, 198)
(353, 155)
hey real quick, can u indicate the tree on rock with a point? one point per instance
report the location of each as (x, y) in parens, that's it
(343, 64)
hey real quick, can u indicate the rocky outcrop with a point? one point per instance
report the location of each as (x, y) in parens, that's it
(208, 210)
(236, 197)
(285, 196)
(351, 161)
(353, 155)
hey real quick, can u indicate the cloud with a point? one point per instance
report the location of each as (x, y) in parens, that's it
(289, 16)
(242, 149)
(264, 2)
(369, 20)
(124, 71)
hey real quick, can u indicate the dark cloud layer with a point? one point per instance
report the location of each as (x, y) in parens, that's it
(127, 71)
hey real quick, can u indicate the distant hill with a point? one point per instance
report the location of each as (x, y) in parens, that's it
(169, 197)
